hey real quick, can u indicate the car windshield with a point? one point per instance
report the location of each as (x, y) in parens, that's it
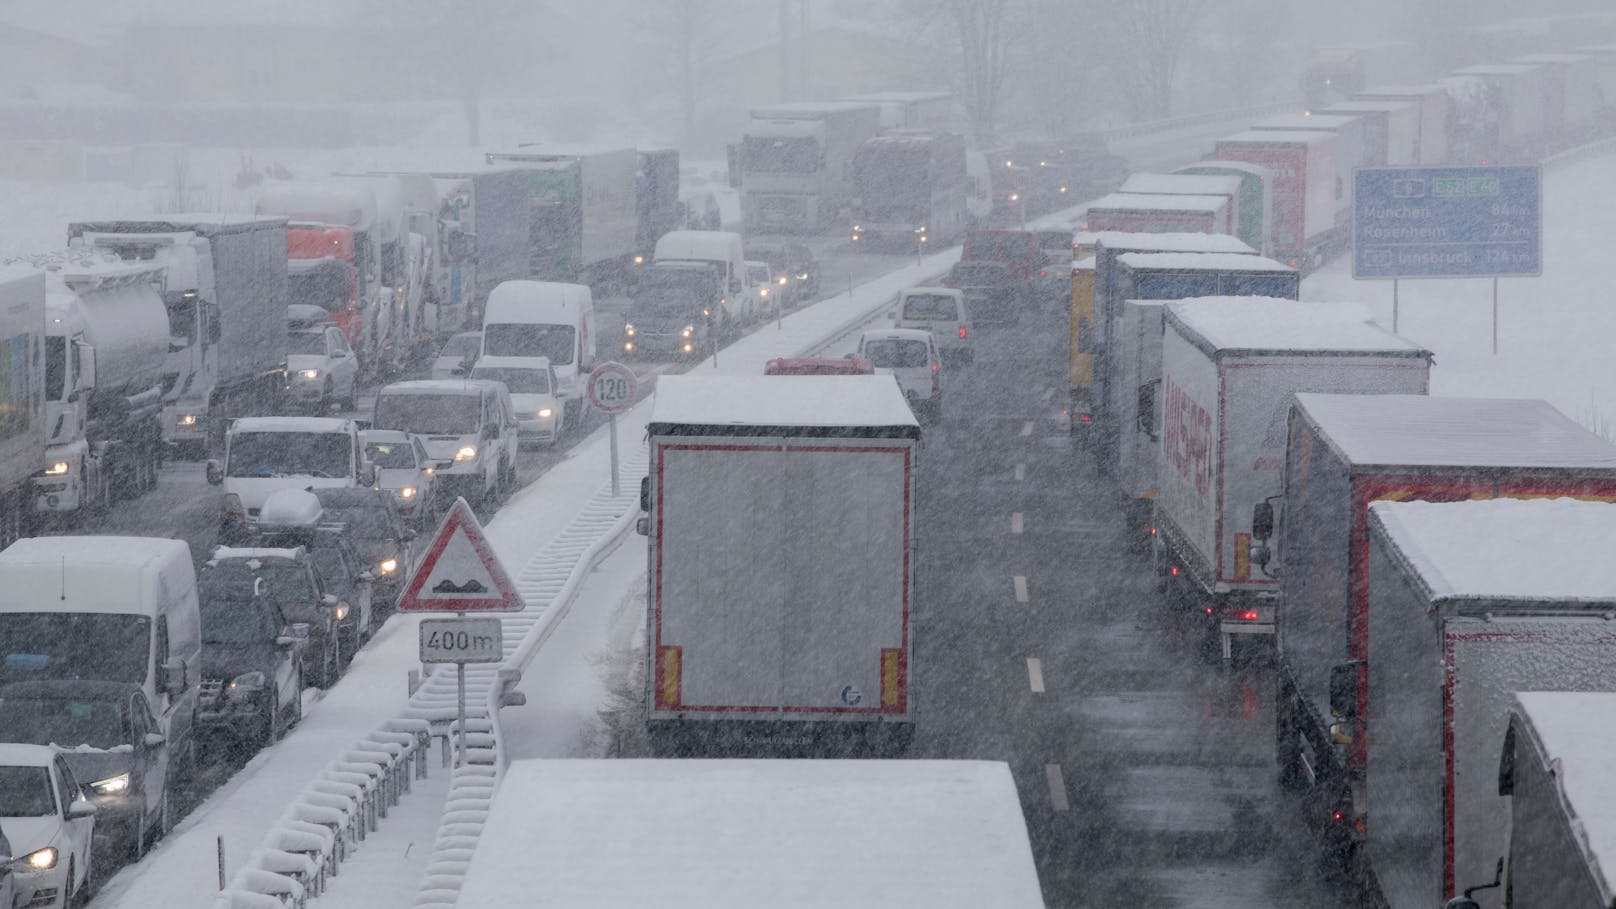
(327, 455)
(321, 286)
(942, 307)
(896, 353)
(307, 343)
(518, 379)
(519, 339)
(445, 414)
(74, 645)
(391, 455)
(461, 346)
(332, 567)
(365, 522)
(238, 622)
(26, 792)
(67, 722)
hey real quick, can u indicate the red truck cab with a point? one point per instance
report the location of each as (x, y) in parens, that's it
(324, 273)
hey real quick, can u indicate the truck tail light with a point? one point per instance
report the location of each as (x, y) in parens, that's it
(667, 676)
(1244, 615)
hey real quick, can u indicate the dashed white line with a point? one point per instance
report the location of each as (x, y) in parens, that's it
(1035, 674)
(1015, 522)
(1057, 787)
(1021, 471)
(1021, 588)
(1049, 393)
(1026, 428)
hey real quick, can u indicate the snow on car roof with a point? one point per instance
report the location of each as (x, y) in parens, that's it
(1273, 324)
(1152, 202)
(754, 833)
(1170, 242)
(291, 424)
(252, 552)
(1219, 261)
(931, 291)
(1426, 431)
(1577, 730)
(1534, 550)
(782, 400)
(1181, 184)
(16, 754)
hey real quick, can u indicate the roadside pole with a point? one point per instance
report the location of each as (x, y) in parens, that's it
(612, 388)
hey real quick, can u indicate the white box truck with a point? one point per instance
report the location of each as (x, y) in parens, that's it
(748, 833)
(1558, 760)
(1230, 367)
(780, 513)
(796, 163)
(1469, 602)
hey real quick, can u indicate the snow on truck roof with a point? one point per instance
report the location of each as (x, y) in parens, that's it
(802, 401)
(745, 833)
(1279, 137)
(1537, 550)
(1275, 325)
(1168, 242)
(1577, 730)
(1419, 431)
(1152, 202)
(1188, 260)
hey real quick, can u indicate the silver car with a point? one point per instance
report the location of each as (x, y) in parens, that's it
(404, 469)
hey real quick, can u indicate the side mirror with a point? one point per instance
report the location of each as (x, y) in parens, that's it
(86, 365)
(171, 677)
(1344, 688)
(215, 472)
(642, 526)
(80, 808)
(154, 739)
(645, 493)
(1262, 521)
(285, 642)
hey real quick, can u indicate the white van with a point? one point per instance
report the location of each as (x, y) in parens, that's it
(544, 319)
(910, 355)
(941, 311)
(114, 609)
(722, 248)
(266, 454)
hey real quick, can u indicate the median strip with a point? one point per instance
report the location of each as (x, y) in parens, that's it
(1021, 589)
(1057, 787)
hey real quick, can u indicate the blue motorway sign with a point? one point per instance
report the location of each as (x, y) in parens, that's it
(1447, 222)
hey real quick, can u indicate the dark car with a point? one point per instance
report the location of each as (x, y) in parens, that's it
(342, 574)
(252, 676)
(993, 291)
(674, 310)
(793, 262)
(369, 521)
(291, 581)
(109, 736)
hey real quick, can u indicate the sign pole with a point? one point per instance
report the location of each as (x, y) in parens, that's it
(1495, 317)
(611, 423)
(460, 704)
(1394, 306)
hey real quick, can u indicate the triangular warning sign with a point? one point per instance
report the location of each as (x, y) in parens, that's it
(459, 572)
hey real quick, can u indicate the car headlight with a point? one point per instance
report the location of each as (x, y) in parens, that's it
(687, 331)
(546, 413)
(340, 611)
(408, 492)
(802, 276)
(309, 373)
(57, 469)
(388, 566)
(429, 471)
(763, 291)
(112, 785)
(466, 453)
(39, 860)
(781, 280)
(628, 329)
(246, 685)
(706, 312)
(186, 419)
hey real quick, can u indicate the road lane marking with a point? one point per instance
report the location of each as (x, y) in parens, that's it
(1035, 674)
(1026, 428)
(1021, 471)
(1021, 589)
(1015, 522)
(1049, 393)
(1057, 787)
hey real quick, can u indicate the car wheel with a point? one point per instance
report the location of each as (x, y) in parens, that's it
(326, 395)
(350, 401)
(347, 645)
(331, 666)
(297, 705)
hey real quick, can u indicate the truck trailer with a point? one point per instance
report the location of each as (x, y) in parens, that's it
(1229, 369)
(1305, 187)
(583, 208)
(1432, 102)
(226, 288)
(1555, 770)
(780, 517)
(1256, 206)
(1469, 602)
(1342, 453)
(796, 164)
(22, 422)
(1154, 214)
(1391, 129)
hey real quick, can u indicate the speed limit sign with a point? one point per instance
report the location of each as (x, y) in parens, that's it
(611, 388)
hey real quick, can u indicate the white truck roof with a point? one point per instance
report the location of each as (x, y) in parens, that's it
(1505, 549)
(1150, 202)
(100, 574)
(292, 424)
(1426, 431)
(1167, 242)
(1575, 729)
(1272, 324)
(537, 300)
(1181, 184)
(1220, 261)
(746, 833)
(828, 401)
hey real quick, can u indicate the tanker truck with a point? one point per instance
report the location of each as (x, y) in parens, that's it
(106, 339)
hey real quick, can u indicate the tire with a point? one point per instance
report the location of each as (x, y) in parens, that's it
(272, 725)
(347, 646)
(297, 705)
(326, 395)
(350, 401)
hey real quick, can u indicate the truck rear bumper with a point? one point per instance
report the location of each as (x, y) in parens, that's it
(852, 736)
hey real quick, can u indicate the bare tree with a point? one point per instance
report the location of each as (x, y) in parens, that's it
(1152, 38)
(984, 39)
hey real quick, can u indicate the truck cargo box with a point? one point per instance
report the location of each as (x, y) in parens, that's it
(1306, 192)
(1391, 129)
(1256, 199)
(1470, 602)
(1431, 143)
(1145, 213)
(1354, 147)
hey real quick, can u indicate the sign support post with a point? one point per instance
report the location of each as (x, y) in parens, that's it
(612, 388)
(1495, 317)
(611, 426)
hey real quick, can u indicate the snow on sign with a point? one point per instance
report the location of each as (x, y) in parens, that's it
(611, 388)
(459, 572)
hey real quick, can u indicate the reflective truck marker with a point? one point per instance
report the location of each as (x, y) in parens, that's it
(1035, 675)
(1057, 787)
(1021, 589)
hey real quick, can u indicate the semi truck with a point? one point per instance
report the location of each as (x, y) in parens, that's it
(1305, 188)
(780, 620)
(1354, 147)
(1129, 430)
(1555, 771)
(582, 206)
(1342, 453)
(22, 422)
(1256, 205)
(1432, 102)
(909, 189)
(796, 164)
(1093, 321)
(1153, 214)
(226, 289)
(1229, 369)
(1469, 602)
(106, 339)
(656, 199)
(808, 834)
(1391, 129)
(1571, 96)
